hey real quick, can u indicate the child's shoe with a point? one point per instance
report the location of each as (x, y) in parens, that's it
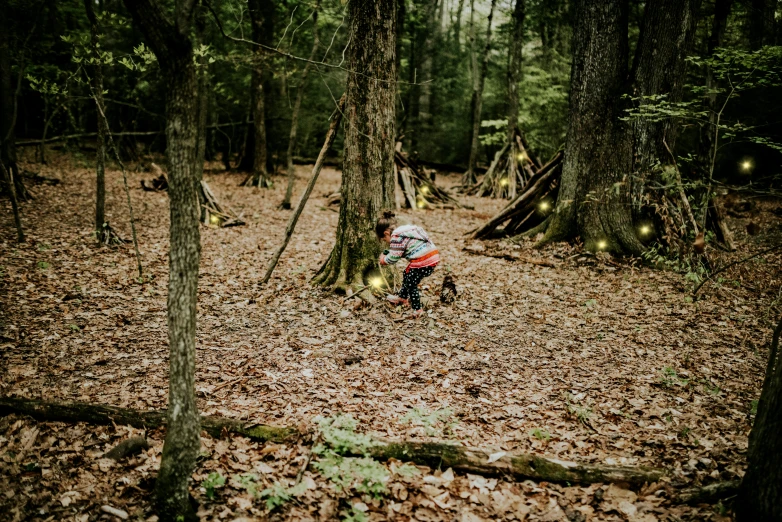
(396, 300)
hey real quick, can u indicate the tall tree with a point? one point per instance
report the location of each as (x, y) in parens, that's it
(476, 103)
(761, 23)
(368, 170)
(172, 44)
(286, 202)
(594, 198)
(666, 37)
(261, 17)
(100, 147)
(761, 488)
(9, 89)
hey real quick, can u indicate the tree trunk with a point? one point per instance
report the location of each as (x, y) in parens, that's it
(667, 33)
(718, 26)
(476, 103)
(8, 111)
(261, 18)
(368, 172)
(100, 147)
(286, 203)
(594, 198)
(761, 23)
(9, 182)
(173, 47)
(761, 488)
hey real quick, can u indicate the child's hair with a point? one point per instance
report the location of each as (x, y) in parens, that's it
(384, 222)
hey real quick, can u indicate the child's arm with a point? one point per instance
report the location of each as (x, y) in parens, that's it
(396, 252)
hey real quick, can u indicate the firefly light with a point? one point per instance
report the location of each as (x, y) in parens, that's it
(521, 156)
(421, 204)
(645, 230)
(504, 182)
(214, 219)
(601, 245)
(543, 205)
(425, 189)
(746, 165)
(376, 282)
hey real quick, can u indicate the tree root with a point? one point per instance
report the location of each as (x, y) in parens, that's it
(438, 455)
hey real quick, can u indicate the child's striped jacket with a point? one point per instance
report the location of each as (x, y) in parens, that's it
(412, 243)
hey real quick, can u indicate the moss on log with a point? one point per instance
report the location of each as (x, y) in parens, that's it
(436, 455)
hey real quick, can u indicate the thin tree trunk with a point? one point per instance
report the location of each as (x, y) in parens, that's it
(476, 103)
(173, 47)
(100, 149)
(8, 179)
(8, 112)
(761, 488)
(457, 28)
(330, 135)
(594, 197)
(667, 33)
(761, 24)
(367, 176)
(286, 202)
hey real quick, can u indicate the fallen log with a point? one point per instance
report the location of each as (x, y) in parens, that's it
(434, 454)
(127, 447)
(103, 415)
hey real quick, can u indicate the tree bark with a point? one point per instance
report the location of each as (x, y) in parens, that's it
(667, 33)
(100, 147)
(761, 488)
(8, 111)
(594, 198)
(520, 466)
(761, 23)
(173, 47)
(476, 103)
(261, 19)
(368, 172)
(286, 202)
(9, 181)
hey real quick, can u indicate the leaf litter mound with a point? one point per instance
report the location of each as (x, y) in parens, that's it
(555, 352)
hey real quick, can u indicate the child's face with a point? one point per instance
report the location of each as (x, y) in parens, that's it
(386, 236)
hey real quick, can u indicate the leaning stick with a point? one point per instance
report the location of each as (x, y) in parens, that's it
(720, 270)
(332, 133)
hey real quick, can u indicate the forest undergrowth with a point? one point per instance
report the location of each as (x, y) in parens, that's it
(555, 352)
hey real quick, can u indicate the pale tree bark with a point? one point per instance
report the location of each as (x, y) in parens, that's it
(171, 42)
(368, 171)
(761, 488)
(477, 102)
(286, 202)
(261, 19)
(594, 197)
(667, 34)
(100, 147)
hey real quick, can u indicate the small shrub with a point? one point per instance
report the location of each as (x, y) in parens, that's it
(212, 481)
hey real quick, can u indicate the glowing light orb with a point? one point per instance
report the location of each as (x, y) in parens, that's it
(376, 282)
(601, 245)
(504, 182)
(646, 229)
(425, 189)
(421, 204)
(544, 205)
(521, 156)
(213, 219)
(746, 165)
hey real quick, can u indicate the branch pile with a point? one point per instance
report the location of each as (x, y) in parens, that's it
(213, 213)
(513, 166)
(530, 206)
(414, 188)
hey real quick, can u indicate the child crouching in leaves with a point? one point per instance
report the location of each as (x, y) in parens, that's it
(412, 243)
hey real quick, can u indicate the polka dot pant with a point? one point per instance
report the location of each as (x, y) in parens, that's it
(409, 290)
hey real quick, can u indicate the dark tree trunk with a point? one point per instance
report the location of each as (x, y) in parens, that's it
(514, 76)
(477, 102)
(286, 202)
(261, 17)
(173, 47)
(667, 33)
(718, 26)
(761, 488)
(8, 112)
(100, 147)
(457, 28)
(594, 197)
(761, 23)
(368, 172)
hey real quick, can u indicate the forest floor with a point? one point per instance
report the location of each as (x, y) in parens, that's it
(590, 359)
